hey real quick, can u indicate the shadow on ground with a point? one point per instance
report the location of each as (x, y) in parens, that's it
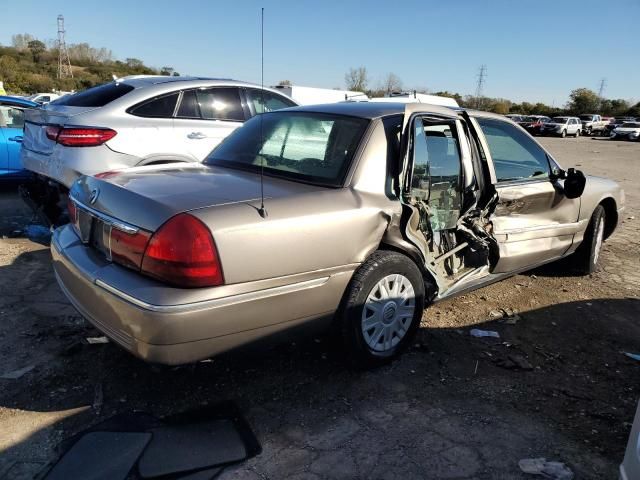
(555, 384)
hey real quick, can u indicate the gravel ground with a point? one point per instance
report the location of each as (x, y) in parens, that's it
(556, 384)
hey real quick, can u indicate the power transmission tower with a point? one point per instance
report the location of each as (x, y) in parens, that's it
(64, 64)
(480, 86)
(603, 84)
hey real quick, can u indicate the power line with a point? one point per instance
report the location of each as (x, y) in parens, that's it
(64, 64)
(480, 86)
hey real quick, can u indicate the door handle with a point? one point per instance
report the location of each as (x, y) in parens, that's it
(196, 135)
(17, 139)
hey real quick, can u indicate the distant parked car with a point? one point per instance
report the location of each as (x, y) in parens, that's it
(562, 126)
(626, 131)
(533, 123)
(11, 133)
(43, 98)
(138, 120)
(593, 124)
(515, 117)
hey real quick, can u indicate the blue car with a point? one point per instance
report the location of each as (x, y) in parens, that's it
(11, 128)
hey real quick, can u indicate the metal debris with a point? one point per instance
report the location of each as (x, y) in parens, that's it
(550, 470)
(635, 356)
(96, 340)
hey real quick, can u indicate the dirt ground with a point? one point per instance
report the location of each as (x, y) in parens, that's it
(556, 385)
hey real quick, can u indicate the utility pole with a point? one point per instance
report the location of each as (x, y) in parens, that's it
(480, 86)
(64, 64)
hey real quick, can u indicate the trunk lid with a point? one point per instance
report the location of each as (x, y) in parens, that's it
(37, 119)
(146, 197)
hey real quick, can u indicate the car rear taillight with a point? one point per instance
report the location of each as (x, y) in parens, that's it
(182, 252)
(127, 249)
(79, 137)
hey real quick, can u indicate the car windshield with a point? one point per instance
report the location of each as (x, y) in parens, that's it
(631, 125)
(310, 147)
(559, 119)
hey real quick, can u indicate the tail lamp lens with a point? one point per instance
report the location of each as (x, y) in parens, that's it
(85, 137)
(182, 252)
(128, 249)
(79, 137)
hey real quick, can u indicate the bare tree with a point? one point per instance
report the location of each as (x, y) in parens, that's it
(285, 83)
(356, 79)
(391, 83)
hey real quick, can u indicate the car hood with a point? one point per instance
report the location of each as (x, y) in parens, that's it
(147, 196)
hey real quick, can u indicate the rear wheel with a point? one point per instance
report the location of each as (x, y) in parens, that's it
(588, 253)
(382, 308)
(563, 133)
(577, 133)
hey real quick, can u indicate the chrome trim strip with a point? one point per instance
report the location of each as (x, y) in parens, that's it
(216, 302)
(120, 225)
(537, 228)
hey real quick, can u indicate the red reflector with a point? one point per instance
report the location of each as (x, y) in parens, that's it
(52, 133)
(83, 137)
(127, 249)
(182, 252)
(73, 211)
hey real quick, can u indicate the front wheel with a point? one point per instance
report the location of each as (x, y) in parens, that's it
(563, 133)
(381, 309)
(578, 133)
(587, 254)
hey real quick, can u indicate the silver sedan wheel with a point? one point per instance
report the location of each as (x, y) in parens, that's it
(599, 237)
(388, 312)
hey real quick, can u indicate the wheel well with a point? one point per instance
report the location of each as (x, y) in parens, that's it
(430, 282)
(610, 216)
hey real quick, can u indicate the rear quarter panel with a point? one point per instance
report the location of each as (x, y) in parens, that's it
(301, 234)
(597, 191)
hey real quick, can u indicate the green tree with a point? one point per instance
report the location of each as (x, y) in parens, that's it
(634, 111)
(166, 71)
(37, 48)
(583, 100)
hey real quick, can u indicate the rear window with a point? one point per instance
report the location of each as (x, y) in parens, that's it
(311, 147)
(159, 107)
(96, 96)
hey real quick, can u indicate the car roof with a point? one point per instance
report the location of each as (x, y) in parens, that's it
(17, 102)
(149, 80)
(371, 110)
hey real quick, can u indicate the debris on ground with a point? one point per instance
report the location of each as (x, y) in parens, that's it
(476, 332)
(98, 398)
(635, 356)
(551, 470)
(515, 362)
(16, 374)
(97, 340)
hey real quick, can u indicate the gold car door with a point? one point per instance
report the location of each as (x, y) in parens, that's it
(533, 221)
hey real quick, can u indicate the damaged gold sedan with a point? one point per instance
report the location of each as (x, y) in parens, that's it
(355, 215)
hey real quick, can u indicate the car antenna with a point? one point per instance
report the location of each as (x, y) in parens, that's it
(262, 211)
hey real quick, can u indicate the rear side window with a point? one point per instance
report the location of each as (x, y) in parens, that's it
(188, 105)
(160, 107)
(220, 104)
(96, 96)
(271, 101)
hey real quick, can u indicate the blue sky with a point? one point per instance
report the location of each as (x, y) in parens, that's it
(534, 50)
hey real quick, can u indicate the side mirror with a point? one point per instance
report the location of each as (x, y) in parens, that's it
(574, 183)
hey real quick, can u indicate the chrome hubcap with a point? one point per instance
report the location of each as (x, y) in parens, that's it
(599, 237)
(388, 312)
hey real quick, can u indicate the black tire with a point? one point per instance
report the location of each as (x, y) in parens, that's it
(563, 133)
(577, 133)
(585, 258)
(350, 315)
